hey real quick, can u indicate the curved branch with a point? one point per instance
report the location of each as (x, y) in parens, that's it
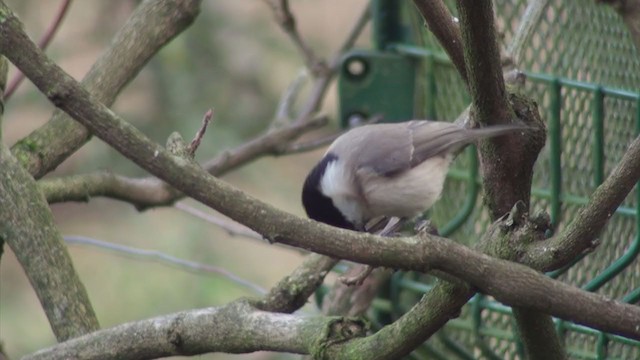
(292, 292)
(235, 328)
(441, 23)
(510, 283)
(150, 191)
(581, 234)
(151, 26)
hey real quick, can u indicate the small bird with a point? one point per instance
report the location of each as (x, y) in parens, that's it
(386, 170)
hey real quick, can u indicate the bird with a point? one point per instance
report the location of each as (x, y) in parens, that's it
(387, 170)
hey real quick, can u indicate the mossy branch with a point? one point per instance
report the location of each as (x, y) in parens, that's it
(151, 26)
(28, 228)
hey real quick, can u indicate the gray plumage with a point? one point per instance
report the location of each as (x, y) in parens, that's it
(394, 170)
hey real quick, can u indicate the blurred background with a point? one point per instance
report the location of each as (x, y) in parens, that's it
(234, 59)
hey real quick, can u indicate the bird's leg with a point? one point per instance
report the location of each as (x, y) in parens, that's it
(391, 227)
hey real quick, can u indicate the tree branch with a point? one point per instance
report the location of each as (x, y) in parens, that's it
(506, 162)
(43, 43)
(231, 227)
(527, 27)
(581, 234)
(441, 23)
(4, 70)
(150, 191)
(151, 26)
(284, 17)
(235, 328)
(27, 226)
(511, 283)
(482, 56)
(292, 292)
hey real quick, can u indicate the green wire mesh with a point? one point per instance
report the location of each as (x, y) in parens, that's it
(583, 70)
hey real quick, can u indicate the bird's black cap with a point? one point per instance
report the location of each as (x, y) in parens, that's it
(318, 206)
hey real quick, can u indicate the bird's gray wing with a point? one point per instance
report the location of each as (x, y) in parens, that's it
(389, 149)
(390, 152)
(401, 146)
(433, 138)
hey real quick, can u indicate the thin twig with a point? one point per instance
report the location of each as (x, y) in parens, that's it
(528, 24)
(350, 40)
(193, 146)
(309, 145)
(162, 258)
(150, 191)
(42, 43)
(286, 20)
(288, 98)
(231, 227)
(313, 144)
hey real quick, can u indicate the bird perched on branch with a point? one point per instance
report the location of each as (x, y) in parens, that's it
(386, 170)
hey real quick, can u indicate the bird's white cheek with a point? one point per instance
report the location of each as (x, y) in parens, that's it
(337, 185)
(336, 181)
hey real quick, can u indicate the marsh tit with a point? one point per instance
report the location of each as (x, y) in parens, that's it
(386, 170)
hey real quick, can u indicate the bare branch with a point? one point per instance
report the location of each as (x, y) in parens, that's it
(222, 329)
(28, 228)
(292, 292)
(43, 43)
(149, 192)
(446, 29)
(232, 228)
(286, 20)
(193, 146)
(287, 100)
(579, 235)
(482, 55)
(527, 27)
(151, 26)
(309, 145)
(510, 283)
(162, 258)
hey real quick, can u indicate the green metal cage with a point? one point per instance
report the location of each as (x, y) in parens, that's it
(584, 71)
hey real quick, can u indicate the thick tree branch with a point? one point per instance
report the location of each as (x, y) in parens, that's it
(235, 328)
(151, 26)
(150, 191)
(4, 69)
(27, 226)
(441, 23)
(506, 162)
(430, 314)
(537, 332)
(188, 333)
(511, 283)
(482, 55)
